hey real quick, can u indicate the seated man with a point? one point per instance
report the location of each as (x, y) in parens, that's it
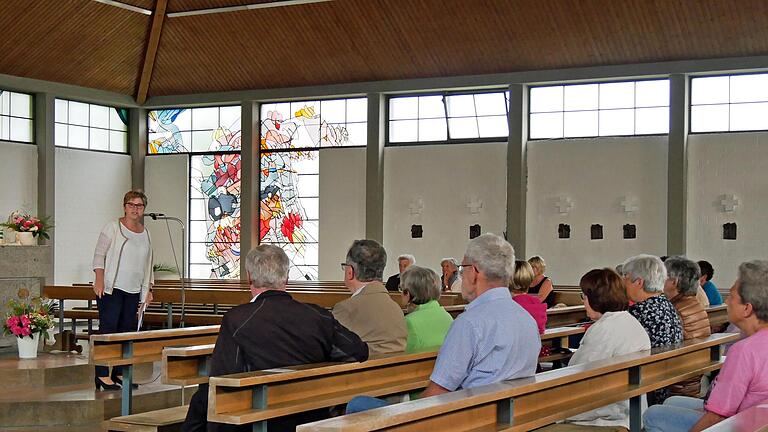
(743, 379)
(494, 340)
(273, 330)
(370, 312)
(403, 262)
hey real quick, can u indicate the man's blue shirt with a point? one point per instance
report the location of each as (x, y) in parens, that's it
(495, 339)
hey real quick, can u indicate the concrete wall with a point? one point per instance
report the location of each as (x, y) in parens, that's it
(595, 175)
(441, 179)
(89, 193)
(18, 177)
(342, 206)
(727, 164)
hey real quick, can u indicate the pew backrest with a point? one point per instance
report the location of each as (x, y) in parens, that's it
(254, 397)
(528, 403)
(145, 346)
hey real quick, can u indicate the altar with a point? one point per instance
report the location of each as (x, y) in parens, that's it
(23, 271)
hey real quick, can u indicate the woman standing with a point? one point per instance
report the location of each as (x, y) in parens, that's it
(122, 262)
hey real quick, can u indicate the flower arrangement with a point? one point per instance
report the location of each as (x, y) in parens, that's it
(22, 222)
(27, 318)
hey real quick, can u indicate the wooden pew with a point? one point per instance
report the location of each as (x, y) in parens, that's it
(529, 403)
(187, 366)
(753, 419)
(128, 349)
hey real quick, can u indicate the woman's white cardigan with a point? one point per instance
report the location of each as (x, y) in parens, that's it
(109, 250)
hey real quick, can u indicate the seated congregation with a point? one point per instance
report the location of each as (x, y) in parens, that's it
(648, 304)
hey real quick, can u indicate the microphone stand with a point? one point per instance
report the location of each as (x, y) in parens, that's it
(183, 269)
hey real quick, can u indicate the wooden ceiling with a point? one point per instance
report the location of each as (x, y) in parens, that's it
(91, 44)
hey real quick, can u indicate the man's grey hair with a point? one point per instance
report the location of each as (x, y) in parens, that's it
(753, 287)
(686, 272)
(411, 259)
(267, 267)
(492, 255)
(449, 260)
(421, 283)
(649, 268)
(368, 259)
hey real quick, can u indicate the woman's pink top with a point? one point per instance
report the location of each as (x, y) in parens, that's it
(535, 307)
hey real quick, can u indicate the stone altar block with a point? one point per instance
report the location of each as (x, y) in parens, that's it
(23, 271)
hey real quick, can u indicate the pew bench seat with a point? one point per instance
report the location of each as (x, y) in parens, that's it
(164, 420)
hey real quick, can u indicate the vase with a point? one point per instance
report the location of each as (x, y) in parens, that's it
(28, 346)
(26, 238)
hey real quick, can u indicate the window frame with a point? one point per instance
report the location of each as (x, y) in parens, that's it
(127, 130)
(598, 110)
(449, 140)
(33, 140)
(729, 103)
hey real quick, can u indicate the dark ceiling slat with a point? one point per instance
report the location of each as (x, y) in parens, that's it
(151, 52)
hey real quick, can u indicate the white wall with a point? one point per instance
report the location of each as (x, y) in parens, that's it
(89, 192)
(342, 206)
(166, 184)
(18, 177)
(444, 177)
(595, 174)
(722, 164)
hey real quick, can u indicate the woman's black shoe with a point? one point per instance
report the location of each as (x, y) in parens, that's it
(102, 385)
(120, 381)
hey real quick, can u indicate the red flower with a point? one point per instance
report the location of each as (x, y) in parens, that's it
(290, 224)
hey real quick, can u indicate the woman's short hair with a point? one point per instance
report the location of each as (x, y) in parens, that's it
(492, 255)
(368, 259)
(449, 260)
(538, 264)
(267, 266)
(422, 284)
(706, 269)
(649, 268)
(523, 276)
(136, 193)
(753, 287)
(604, 290)
(686, 272)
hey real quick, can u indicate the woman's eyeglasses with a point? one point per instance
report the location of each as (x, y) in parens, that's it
(134, 206)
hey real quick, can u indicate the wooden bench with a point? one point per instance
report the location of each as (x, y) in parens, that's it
(255, 397)
(528, 403)
(128, 349)
(187, 366)
(753, 419)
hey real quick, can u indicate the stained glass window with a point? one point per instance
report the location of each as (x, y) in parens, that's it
(729, 103)
(214, 216)
(16, 117)
(599, 109)
(194, 130)
(212, 137)
(90, 126)
(291, 135)
(448, 117)
(314, 124)
(289, 216)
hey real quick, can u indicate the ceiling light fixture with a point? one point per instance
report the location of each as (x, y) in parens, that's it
(272, 4)
(125, 6)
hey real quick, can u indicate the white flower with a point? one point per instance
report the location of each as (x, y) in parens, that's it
(34, 228)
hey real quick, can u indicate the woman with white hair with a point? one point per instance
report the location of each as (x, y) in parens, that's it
(644, 277)
(743, 379)
(450, 281)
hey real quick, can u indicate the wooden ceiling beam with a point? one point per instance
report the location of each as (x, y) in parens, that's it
(151, 53)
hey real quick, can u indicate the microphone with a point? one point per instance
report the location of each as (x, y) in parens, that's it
(154, 216)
